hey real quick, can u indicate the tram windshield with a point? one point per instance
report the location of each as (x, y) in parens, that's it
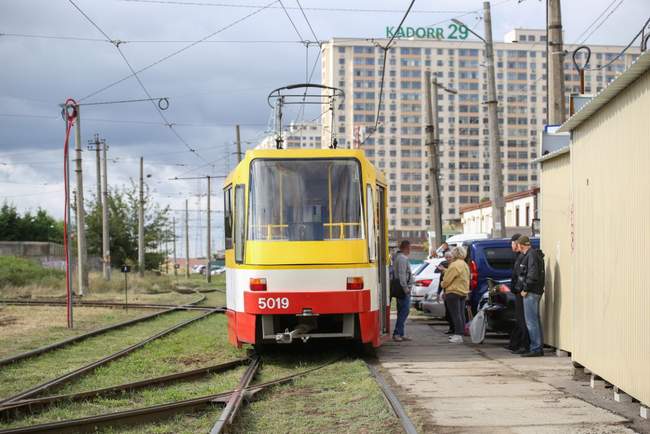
(305, 200)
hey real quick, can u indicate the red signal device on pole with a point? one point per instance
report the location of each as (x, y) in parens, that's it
(69, 113)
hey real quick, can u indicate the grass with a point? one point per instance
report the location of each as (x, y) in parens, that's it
(25, 374)
(191, 347)
(24, 328)
(21, 272)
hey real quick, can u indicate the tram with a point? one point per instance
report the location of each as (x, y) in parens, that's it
(306, 247)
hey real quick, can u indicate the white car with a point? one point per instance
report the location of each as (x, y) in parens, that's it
(426, 281)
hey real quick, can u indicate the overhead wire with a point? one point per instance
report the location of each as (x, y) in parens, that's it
(602, 22)
(320, 9)
(180, 50)
(584, 32)
(386, 48)
(148, 41)
(139, 80)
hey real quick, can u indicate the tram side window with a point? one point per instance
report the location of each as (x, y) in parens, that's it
(240, 217)
(227, 216)
(305, 200)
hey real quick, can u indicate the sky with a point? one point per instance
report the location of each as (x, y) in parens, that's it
(211, 86)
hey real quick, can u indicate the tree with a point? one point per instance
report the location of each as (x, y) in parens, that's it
(28, 227)
(123, 228)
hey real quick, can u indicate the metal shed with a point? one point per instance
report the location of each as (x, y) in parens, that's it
(609, 179)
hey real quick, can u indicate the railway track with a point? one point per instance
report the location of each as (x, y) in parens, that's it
(109, 304)
(91, 366)
(57, 345)
(232, 401)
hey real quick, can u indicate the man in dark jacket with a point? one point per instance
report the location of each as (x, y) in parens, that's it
(519, 342)
(531, 285)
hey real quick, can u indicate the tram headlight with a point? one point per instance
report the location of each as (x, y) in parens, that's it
(354, 283)
(257, 284)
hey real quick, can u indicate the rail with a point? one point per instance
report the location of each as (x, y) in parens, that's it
(89, 367)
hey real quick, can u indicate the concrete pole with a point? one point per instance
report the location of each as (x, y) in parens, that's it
(209, 252)
(141, 221)
(496, 172)
(187, 241)
(432, 144)
(97, 144)
(106, 245)
(82, 254)
(555, 61)
(239, 154)
(174, 245)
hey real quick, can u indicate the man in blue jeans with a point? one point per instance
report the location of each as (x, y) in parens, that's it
(530, 281)
(402, 284)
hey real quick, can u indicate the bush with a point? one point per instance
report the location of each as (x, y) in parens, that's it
(22, 272)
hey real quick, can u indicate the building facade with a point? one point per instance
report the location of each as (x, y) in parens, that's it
(398, 145)
(520, 210)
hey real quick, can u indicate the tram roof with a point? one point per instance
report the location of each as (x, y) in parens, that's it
(306, 153)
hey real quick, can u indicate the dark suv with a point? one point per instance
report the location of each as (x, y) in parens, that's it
(491, 258)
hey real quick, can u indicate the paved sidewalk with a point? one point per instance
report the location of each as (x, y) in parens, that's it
(485, 389)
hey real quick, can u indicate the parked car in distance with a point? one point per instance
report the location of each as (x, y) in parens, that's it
(432, 306)
(494, 259)
(460, 239)
(427, 279)
(198, 269)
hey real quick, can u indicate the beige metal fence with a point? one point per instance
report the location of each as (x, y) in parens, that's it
(557, 304)
(610, 181)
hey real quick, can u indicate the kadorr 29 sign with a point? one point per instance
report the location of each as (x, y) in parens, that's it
(453, 31)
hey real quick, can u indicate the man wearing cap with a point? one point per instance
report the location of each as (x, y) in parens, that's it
(531, 285)
(519, 342)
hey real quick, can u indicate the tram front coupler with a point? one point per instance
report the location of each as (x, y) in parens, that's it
(300, 332)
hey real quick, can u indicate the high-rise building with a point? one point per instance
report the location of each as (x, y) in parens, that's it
(398, 145)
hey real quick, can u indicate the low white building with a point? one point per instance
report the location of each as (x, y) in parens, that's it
(521, 209)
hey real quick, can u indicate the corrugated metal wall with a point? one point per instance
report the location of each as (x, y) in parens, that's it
(611, 190)
(557, 304)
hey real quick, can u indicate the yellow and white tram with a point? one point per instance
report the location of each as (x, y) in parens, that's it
(306, 247)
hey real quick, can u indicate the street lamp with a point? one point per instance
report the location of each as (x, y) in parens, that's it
(496, 173)
(460, 23)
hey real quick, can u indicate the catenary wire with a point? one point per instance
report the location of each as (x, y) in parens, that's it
(602, 22)
(137, 77)
(320, 9)
(180, 50)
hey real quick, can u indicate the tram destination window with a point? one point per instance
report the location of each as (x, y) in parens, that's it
(305, 200)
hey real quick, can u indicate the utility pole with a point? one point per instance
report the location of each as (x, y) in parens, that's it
(141, 221)
(95, 145)
(209, 252)
(174, 245)
(82, 254)
(106, 245)
(555, 62)
(496, 173)
(187, 241)
(239, 154)
(99, 146)
(432, 144)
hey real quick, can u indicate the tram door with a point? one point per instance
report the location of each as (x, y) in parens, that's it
(382, 264)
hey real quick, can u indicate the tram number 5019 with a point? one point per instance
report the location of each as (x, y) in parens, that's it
(273, 303)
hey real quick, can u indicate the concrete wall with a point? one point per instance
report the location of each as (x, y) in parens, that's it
(610, 179)
(557, 304)
(30, 249)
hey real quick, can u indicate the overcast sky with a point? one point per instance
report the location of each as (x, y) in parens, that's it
(211, 86)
